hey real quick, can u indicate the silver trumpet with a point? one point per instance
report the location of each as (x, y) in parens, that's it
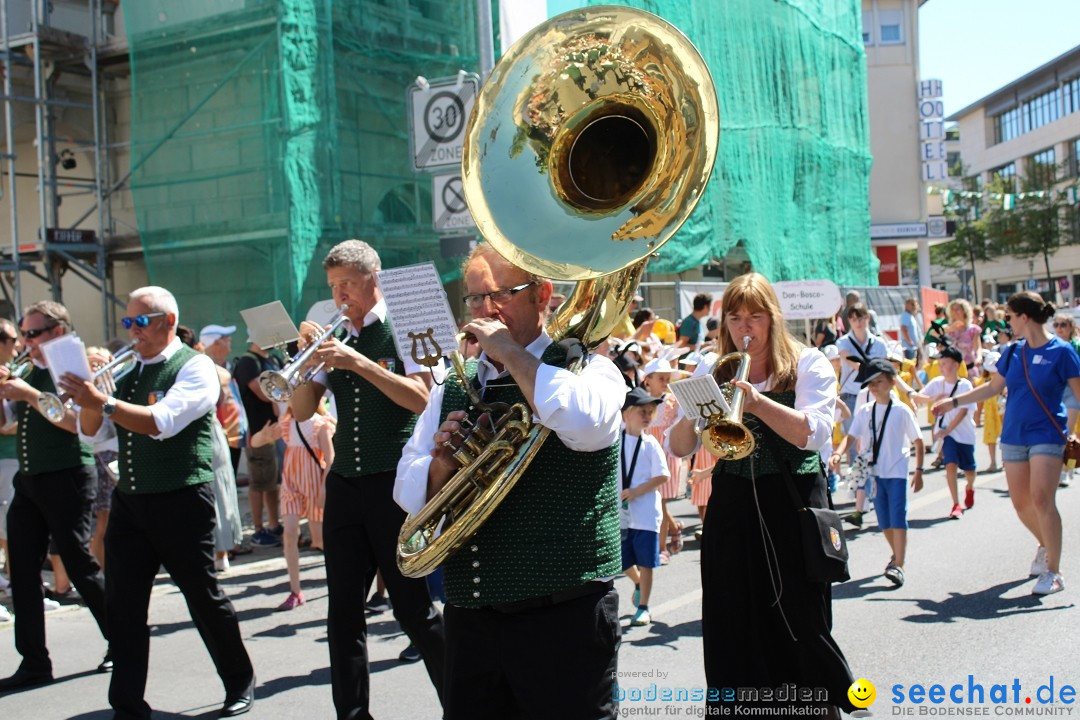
(279, 385)
(105, 378)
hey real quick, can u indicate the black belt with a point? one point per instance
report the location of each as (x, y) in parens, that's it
(593, 586)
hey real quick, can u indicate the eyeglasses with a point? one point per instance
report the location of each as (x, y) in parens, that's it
(1064, 324)
(498, 297)
(31, 334)
(139, 320)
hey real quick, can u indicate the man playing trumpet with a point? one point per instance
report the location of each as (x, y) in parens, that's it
(534, 583)
(163, 506)
(378, 395)
(54, 491)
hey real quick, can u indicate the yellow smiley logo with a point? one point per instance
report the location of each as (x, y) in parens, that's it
(862, 693)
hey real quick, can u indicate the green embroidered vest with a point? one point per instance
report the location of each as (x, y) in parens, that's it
(157, 466)
(763, 460)
(42, 446)
(372, 429)
(557, 529)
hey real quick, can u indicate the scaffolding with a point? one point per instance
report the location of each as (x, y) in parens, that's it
(40, 43)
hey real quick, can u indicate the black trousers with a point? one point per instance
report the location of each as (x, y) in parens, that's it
(56, 504)
(174, 529)
(552, 662)
(360, 529)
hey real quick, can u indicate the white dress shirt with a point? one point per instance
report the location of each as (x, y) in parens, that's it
(377, 313)
(194, 394)
(815, 396)
(584, 410)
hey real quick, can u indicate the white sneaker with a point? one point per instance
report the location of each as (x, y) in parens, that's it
(221, 564)
(50, 605)
(1038, 565)
(1048, 584)
(1066, 478)
(5, 614)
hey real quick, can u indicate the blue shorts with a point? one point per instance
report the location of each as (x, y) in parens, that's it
(641, 548)
(891, 503)
(957, 453)
(1023, 453)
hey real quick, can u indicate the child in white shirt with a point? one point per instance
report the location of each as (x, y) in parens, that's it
(642, 470)
(956, 428)
(886, 429)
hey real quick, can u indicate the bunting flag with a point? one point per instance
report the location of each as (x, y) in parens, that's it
(1007, 201)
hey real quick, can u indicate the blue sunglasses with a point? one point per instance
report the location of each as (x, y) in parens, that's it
(139, 320)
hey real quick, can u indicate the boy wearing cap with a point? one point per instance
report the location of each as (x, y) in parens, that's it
(642, 470)
(955, 428)
(886, 429)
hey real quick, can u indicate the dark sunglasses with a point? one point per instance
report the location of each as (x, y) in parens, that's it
(31, 334)
(1063, 324)
(139, 320)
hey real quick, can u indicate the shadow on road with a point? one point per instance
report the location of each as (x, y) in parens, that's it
(659, 633)
(988, 604)
(861, 587)
(291, 682)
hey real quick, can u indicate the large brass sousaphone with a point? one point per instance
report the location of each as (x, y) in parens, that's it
(587, 148)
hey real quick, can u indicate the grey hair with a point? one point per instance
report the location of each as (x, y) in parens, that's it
(355, 254)
(159, 300)
(52, 310)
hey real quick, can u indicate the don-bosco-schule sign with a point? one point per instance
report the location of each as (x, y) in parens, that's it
(808, 299)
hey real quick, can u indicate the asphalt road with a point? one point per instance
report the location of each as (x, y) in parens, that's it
(965, 609)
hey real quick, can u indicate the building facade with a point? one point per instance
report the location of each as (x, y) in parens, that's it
(1027, 130)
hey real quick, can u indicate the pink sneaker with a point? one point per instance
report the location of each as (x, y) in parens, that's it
(291, 602)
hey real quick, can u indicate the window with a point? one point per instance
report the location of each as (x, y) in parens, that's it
(1073, 161)
(952, 161)
(890, 27)
(1006, 173)
(867, 30)
(1035, 112)
(1042, 169)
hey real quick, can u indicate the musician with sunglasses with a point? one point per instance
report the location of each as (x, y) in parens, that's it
(54, 493)
(163, 505)
(377, 396)
(530, 602)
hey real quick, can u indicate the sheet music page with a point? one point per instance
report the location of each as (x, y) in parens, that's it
(270, 325)
(66, 354)
(424, 326)
(700, 397)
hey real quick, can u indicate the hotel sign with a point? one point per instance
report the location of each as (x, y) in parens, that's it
(932, 132)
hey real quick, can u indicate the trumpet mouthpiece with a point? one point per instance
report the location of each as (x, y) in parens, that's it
(745, 342)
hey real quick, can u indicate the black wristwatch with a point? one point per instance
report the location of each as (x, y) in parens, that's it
(108, 407)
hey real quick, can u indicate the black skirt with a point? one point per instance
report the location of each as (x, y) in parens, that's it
(748, 559)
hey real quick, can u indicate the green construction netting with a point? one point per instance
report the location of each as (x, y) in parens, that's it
(792, 176)
(265, 131)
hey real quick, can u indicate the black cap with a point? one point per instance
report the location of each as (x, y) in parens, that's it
(625, 362)
(638, 396)
(712, 323)
(873, 368)
(952, 353)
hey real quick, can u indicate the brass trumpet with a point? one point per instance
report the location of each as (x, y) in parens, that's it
(724, 434)
(21, 366)
(279, 385)
(105, 378)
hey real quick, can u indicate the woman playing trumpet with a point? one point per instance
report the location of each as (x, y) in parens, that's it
(764, 624)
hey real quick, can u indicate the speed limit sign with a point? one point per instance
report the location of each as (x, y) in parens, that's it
(439, 111)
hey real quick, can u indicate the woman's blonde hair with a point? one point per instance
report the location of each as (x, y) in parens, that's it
(965, 306)
(754, 294)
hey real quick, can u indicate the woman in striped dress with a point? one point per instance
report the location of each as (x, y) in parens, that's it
(657, 375)
(309, 451)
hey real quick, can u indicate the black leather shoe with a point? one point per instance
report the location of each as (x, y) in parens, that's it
(25, 679)
(106, 665)
(238, 703)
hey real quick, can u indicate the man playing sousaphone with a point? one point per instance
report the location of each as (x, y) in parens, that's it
(378, 395)
(534, 583)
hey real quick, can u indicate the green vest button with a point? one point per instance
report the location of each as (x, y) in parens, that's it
(476, 563)
(473, 548)
(476, 580)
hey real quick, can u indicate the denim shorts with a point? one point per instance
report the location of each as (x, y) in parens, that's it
(891, 503)
(959, 454)
(1023, 453)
